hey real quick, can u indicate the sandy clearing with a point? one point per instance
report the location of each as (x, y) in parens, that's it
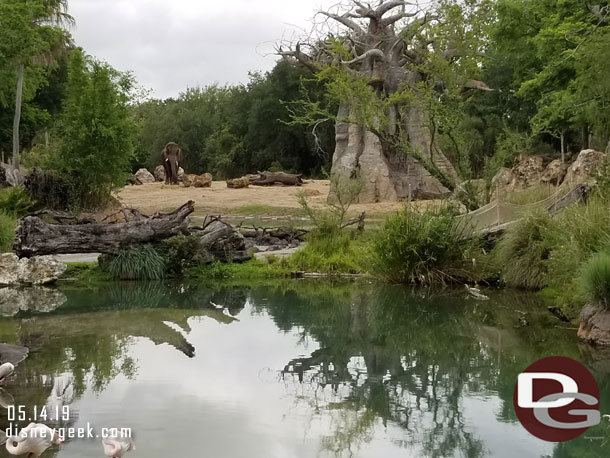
(218, 199)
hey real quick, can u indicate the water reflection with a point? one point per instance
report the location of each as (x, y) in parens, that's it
(299, 368)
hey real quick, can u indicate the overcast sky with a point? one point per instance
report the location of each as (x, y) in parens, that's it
(174, 44)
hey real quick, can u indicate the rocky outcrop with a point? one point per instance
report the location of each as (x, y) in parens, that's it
(159, 173)
(595, 325)
(554, 172)
(31, 299)
(584, 166)
(197, 181)
(144, 176)
(238, 183)
(528, 171)
(38, 270)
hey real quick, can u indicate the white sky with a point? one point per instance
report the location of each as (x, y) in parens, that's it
(174, 44)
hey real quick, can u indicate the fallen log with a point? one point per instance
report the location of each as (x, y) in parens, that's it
(34, 237)
(268, 178)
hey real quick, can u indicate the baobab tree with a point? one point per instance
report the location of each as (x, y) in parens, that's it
(378, 65)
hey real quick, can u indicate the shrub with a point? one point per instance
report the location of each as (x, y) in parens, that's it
(329, 253)
(142, 263)
(7, 231)
(523, 252)
(180, 252)
(595, 279)
(15, 202)
(52, 190)
(420, 247)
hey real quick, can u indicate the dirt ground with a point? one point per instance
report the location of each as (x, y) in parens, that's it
(255, 200)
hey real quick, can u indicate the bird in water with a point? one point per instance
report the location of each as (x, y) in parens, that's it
(6, 370)
(34, 439)
(116, 447)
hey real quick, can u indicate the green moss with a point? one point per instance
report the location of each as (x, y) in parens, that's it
(85, 274)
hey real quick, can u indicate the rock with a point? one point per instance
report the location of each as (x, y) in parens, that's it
(238, 183)
(528, 171)
(144, 176)
(502, 179)
(311, 192)
(594, 325)
(202, 181)
(159, 173)
(187, 180)
(584, 166)
(180, 174)
(554, 172)
(133, 180)
(38, 270)
(34, 299)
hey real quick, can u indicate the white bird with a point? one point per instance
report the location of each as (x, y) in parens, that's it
(34, 439)
(6, 370)
(116, 447)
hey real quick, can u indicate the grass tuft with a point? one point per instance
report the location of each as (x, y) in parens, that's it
(595, 279)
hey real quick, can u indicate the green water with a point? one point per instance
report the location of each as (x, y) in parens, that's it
(292, 369)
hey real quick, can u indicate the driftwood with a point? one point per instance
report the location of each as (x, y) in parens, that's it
(268, 178)
(578, 194)
(34, 237)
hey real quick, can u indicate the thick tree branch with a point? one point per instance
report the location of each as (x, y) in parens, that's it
(346, 21)
(374, 53)
(476, 84)
(395, 18)
(300, 57)
(387, 6)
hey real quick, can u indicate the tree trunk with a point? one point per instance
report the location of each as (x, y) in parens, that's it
(34, 237)
(269, 178)
(388, 174)
(17, 119)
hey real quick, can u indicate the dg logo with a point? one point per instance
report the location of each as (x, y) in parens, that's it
(557, 399)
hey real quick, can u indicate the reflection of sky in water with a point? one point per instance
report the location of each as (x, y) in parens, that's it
(226, 402)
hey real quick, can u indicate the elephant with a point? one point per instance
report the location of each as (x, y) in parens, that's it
(170, 158)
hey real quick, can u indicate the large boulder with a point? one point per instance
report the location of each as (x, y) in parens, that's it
(527, 172)
(180, 174)
(39, 270)
(584, 166)
(594, 325)
(554, 172)
(144, 176)
(238, 183)
(159, 173)
(203, 181)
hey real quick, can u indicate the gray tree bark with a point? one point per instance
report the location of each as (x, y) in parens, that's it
(17, 119)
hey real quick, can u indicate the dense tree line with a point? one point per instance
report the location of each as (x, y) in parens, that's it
(546, 61)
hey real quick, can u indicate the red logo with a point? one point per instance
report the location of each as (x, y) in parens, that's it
(557, 399)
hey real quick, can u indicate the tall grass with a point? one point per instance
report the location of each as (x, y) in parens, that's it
(142, 263)
(7, 231)
(523, 252)
(15, 201)
(421, 247)
(595, 279)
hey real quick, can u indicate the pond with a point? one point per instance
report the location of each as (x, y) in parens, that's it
(298, 368)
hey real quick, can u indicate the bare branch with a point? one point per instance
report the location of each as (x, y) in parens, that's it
(375, 53)
(476, 84)
(365, 10)
(397, 17)
(300, 57)
(387, 6)
(346, 21)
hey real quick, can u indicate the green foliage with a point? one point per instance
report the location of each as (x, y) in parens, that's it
(234, 130)
(595, 279)
(180, 252)
(141, 263)
(15, 202)
(421, 247)
(7, 231)
(96, 130)
(523, 252)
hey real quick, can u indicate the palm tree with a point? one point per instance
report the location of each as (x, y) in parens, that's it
(54, 13)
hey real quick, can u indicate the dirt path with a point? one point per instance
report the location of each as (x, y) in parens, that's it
(255, 200)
